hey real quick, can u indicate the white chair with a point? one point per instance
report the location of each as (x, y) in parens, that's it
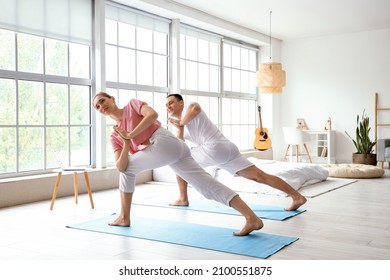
(294, 136)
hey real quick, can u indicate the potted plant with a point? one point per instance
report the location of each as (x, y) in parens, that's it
(362, 142)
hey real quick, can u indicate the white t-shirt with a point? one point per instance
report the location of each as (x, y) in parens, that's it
(201, 131)
(209, 147)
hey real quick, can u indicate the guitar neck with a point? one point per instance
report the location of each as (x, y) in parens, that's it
(260, 122)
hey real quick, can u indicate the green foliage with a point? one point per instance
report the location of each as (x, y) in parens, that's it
(39, 119)
(362, 140)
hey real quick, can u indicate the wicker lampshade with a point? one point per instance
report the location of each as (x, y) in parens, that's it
(271, 78)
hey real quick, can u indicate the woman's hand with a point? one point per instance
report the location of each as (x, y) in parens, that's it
(125, 135)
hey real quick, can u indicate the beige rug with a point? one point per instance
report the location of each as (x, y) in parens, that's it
(325, 186)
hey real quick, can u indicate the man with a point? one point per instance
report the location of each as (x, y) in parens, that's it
(212, 148)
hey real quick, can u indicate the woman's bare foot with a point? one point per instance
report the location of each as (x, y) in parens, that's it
(297, 202)
(180, 202)
(120, 222)
(250, 225)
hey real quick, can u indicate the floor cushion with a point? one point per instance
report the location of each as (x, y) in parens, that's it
(345, 170)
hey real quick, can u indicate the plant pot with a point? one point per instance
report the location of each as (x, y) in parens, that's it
(369, 159)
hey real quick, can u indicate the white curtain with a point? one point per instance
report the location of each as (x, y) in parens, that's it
(127, 15)
(67, 20)
(200, 34)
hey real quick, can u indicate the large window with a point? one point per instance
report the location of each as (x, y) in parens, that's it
(137, 55)
(204, 68)
(46, 78)
(239, 102)
(45, 85)
(199, 61)
(45, 92)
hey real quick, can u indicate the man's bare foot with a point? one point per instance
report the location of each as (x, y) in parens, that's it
(180, 202)
(297, 202)
(120, 222)
(250, 226)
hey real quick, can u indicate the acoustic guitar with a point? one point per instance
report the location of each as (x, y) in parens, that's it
(262, 141)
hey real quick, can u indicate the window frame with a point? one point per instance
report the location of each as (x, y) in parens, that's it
(124, 91)
(239, 133)
(19, 77)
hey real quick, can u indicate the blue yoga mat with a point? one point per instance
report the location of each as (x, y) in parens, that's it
(262, 211)
(257, 244)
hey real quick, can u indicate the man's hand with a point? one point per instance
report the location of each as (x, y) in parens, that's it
(179, 127)
(176, 123)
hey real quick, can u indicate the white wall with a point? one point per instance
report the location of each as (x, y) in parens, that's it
(29, 189)
(337, 77)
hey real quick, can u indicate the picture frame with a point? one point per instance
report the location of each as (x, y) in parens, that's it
(301, 124)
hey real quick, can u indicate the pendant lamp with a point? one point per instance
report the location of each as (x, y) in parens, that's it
(271, 78)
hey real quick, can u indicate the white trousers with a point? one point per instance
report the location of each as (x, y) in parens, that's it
(166, 149)
(222, 154)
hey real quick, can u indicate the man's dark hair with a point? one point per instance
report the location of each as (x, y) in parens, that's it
(178, 96)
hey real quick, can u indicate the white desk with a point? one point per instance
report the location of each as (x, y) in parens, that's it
(322, 147)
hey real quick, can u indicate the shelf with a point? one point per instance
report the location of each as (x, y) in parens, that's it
(322, 146)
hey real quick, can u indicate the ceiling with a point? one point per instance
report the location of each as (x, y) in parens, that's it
(292, 19)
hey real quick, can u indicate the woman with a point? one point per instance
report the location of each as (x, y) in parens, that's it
(138, 132)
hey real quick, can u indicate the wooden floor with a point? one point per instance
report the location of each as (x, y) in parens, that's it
(350, 223)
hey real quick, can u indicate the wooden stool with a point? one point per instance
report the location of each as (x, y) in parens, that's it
(75, 184)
